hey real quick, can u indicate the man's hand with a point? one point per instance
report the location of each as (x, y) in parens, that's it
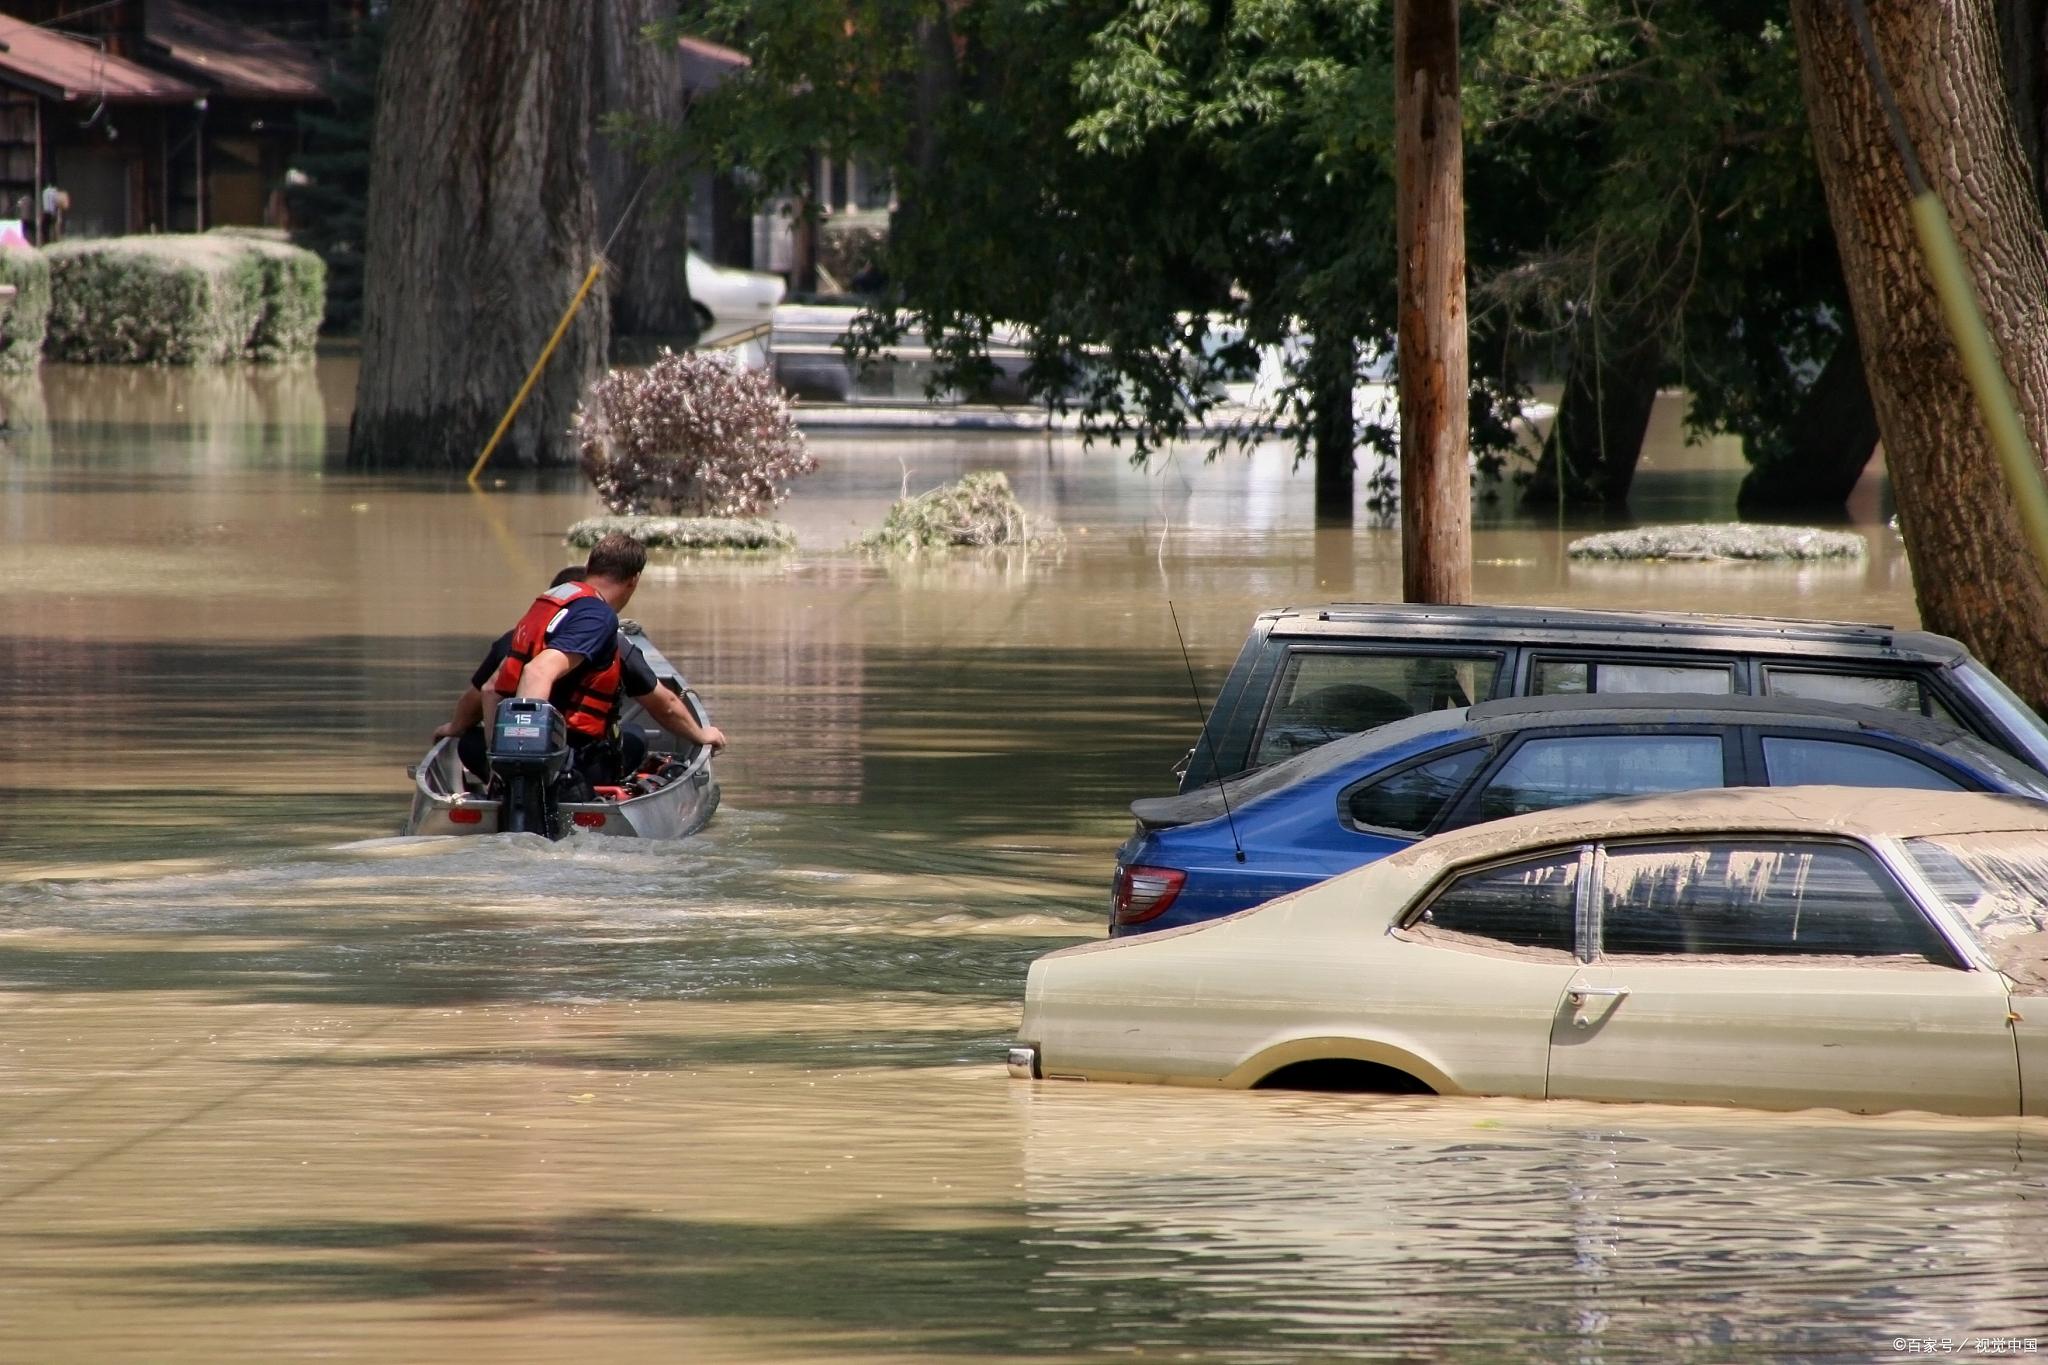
(713, 736)
(445, 729)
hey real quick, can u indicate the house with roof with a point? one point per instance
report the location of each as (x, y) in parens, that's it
(156, 115)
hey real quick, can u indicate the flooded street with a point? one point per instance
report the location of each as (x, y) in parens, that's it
(275, 1085)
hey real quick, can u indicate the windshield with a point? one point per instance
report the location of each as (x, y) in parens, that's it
(2015, 717)
(1997, 882)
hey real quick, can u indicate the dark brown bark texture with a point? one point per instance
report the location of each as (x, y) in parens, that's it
(646, 274)
(1429, 181)
(1972, 572)
(1609, 389)
(1831, 440)
(482, 224)
(1334, 365)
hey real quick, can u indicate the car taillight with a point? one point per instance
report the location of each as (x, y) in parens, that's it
(1143, 893)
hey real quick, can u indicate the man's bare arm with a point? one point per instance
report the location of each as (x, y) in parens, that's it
(543, 671)
(676, 718)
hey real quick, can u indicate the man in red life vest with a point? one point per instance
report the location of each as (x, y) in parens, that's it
(565, 649)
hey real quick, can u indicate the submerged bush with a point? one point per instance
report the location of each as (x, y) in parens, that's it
(21, 331)
(687, 533)
(182, 299)
(1730, 540)
(690, 435)
(980, 510)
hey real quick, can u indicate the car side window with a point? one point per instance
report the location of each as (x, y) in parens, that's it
(1579, 677)
(1323, 695)
(1408, 801)
(1857, 689)
(1528, 904)
(1758, 898)
(1543, 774)
(1791, 762)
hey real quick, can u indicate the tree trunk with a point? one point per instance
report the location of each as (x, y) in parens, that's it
(1429, 191)
(481, 226)
(1609, 389)
(1972, 571)
(646, 271)
(1827, 445)
(1334, 365)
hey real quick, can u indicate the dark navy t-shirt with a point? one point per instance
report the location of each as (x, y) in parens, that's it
(587, 626)
(638, 679)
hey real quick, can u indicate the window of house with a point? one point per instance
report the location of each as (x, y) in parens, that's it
(1758, 898)
(1793, 762)
(1543, 774)
(1325, 695)
(1409, 801)
(1529, 904)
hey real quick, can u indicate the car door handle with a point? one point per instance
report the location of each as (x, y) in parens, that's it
(1579, 995)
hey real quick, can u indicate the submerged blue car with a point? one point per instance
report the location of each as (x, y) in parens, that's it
(1230, 845)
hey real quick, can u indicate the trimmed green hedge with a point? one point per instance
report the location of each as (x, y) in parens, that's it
(21, 330)
(182, 300)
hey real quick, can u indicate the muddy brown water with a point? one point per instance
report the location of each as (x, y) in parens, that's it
(277, 1086)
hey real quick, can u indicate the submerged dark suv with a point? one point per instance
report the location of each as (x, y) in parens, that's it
(1310, 675)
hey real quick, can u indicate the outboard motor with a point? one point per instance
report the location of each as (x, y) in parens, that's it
(529, 751)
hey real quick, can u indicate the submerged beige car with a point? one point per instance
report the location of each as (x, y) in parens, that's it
(1792, 948)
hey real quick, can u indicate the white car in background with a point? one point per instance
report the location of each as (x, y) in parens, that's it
(1789, 948)
(720, 291)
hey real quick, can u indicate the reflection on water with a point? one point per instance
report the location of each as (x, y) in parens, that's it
(278, 1086)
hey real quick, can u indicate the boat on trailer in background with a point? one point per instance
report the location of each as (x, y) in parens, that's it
(673, 791)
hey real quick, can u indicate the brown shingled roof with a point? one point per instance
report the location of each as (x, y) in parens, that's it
(233, 59)
(66, 69)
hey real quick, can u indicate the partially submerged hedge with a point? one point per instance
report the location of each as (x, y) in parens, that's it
(21, 330)
(688, 533)
(1728, 540)
(182, 300)
(978, 511)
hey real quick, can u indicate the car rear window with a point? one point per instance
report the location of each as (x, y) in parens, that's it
(1856, 689)
(1323, 695)
(1794, 762)
(1408, 802)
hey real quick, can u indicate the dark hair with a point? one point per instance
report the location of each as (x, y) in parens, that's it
(572, 574)
(617, 557)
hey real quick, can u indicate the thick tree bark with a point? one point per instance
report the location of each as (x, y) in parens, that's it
(482, 224)
(1972, 572)
(646, 274)
(1334, 366)
(1610, 387)
(1429, 190)
(1827, 446)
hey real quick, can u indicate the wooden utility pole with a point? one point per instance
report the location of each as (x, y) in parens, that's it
(1429, 192)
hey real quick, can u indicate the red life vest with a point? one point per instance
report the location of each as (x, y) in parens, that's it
(587, 697)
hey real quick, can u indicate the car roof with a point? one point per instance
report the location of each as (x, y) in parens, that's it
(1437, 623)
(1692, 708)
(1488, 719)
(1854, 812)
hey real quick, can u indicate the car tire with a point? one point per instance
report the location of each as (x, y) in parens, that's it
(703, 316)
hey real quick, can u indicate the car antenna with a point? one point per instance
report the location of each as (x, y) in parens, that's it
(1222, 783)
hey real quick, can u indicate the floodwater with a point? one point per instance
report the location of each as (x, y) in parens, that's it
(277, 1086)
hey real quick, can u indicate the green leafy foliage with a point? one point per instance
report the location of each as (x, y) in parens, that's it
(979, 511)
(181, 299)
(1157, 190)
(25, 319)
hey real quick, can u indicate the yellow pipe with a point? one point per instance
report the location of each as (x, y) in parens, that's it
(1987, 379)
(533, 375)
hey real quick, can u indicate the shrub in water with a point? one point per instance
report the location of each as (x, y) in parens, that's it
(21, 330)
(181, 299)
(690, 435)
(978, 511)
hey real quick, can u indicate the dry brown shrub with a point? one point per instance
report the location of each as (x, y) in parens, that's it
(690, 435)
